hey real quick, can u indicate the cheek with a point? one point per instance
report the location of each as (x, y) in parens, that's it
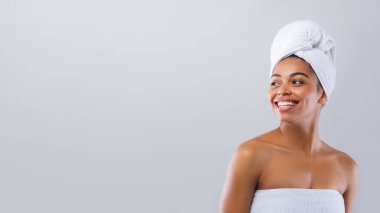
(303, 91)
(271, 94)
(307, 94)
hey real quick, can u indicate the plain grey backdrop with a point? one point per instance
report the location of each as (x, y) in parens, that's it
(138, 106)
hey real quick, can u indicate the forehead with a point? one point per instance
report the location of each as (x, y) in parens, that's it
(288, 66)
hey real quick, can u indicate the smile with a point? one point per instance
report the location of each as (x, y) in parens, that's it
(285, 105)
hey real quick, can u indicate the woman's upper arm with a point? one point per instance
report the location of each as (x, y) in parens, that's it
(350, 192)
(241, 179)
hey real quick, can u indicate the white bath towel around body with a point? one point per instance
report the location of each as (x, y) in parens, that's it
(297, 200)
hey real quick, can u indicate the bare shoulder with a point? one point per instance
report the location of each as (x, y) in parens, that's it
(350, 168)
(250, 158)
(243, 173)
(346, 161)
(255, 146)
(256, 149)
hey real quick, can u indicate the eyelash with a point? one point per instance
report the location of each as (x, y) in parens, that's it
(293, 81)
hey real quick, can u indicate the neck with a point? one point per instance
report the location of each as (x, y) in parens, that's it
(302, 137)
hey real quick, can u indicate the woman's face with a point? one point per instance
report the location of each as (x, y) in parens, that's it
(293, 80)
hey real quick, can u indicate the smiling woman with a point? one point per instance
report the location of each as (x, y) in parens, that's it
(294, 72)
(319, 85)
(291, 169)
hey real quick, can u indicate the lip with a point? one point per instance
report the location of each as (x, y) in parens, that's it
(286, 99)
(285, 108)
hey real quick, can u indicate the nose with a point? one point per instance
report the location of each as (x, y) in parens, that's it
(283, 89)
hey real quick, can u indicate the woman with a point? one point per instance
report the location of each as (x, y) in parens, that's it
(291, 169)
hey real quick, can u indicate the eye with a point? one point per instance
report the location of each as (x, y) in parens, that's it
(272, 83)
(300, 82)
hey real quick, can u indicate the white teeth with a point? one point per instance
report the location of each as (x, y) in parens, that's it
(286, 103)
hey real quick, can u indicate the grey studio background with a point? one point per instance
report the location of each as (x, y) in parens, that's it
(138, 106)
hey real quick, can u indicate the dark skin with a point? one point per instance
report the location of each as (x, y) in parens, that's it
(292, 155)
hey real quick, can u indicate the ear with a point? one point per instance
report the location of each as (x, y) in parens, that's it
(323, 99)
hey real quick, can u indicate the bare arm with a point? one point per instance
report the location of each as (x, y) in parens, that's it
(350, 193)
(241, 179)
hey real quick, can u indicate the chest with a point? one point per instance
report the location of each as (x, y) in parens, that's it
(289, 171)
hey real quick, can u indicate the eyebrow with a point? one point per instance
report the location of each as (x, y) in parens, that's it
(291, 75)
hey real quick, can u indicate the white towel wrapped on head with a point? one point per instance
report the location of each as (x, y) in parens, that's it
(309, 41)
